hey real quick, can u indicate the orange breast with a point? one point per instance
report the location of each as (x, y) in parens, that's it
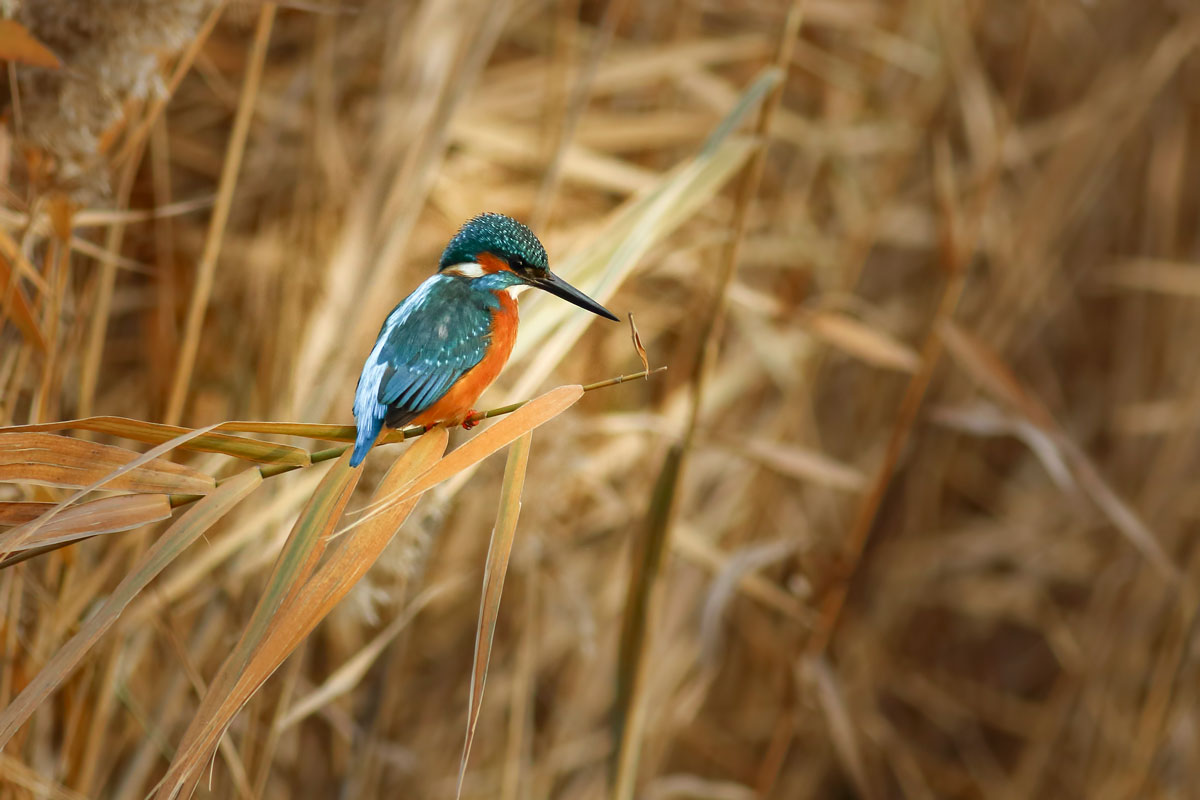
(455, 404)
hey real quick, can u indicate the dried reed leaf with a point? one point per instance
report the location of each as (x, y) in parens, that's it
(549, 330)
(522, 84)
(309, 430)
(841, 727)
(18, 44)
(303, 549)
(281, 622)
(695, 548)
(18, 774)
(737, 567)
(156, 433)
(637, 345)
(312, 430)
(689, 785)
(988, 420)
(106, 515)
(1123, 517)
(194, 522)
(49, 460)
(117, 474)
(603, 265)
(533, 414)
(631, 658)
(804, 464)
(862, 341)
(350, 674)
(295, 563)
(1174, 278)
(355, 554)
(990, 372)
(61, 211)
(101, 217)
(986, 368)
(1072, 138)
(647, 554)
(10, 249)
(15, 305)
(1156, 417)
(494, 571)
(518, 146)
(618, 131)
(18, 512)
(230, 168)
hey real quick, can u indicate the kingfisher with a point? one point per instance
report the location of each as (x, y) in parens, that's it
(445, 343)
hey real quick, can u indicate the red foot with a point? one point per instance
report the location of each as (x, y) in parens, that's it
(471, 420)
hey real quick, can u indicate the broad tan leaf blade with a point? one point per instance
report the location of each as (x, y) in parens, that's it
(300, 552)
(494, 571)
(18, 512)
(18, 44)
(298, 565)
(195, 522)
(536, 412)
(156, 433)
(253, 661)
(15, 306)
(359, 550)
(49, 460)
(140, 461)
(647, 562)
(106, 515)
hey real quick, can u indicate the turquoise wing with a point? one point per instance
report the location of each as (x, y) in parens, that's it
(429, 341)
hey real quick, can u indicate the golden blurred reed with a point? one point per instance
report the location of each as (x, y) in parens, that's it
(910, 515)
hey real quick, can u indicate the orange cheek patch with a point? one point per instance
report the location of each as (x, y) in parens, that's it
(491, 263)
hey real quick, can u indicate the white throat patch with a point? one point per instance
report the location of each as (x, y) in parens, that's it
(467, 269)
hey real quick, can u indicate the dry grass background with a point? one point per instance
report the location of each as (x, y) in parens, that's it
(933, 536)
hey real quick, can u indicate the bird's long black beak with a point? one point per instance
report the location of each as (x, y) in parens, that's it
(557, 286)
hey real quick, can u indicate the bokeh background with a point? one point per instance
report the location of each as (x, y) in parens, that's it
(934, 532)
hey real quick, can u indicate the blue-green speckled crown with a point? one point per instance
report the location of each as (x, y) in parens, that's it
(497, 234)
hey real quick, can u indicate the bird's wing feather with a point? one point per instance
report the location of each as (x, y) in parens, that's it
(427, 344)
(430, 340)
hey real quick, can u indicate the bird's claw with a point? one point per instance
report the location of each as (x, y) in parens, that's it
(471, 420)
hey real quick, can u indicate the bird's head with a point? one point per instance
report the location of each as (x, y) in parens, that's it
(496, 252)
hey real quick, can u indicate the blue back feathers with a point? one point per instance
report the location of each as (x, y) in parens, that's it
(497, 234)
(428, 342)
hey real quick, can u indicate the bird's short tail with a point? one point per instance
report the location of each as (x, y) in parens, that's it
(368, 432)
